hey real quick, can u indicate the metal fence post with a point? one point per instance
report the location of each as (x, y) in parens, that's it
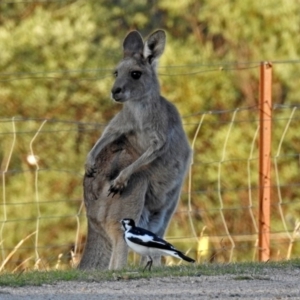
(265, 119)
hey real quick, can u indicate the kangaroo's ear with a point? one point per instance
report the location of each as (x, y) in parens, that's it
(133, 44)
(154, 46)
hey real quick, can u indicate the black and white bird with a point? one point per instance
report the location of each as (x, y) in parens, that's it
(147, 243)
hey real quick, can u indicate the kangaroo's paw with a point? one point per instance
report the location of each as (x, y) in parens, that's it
(113, 191)
(90, 170)
(118, 186)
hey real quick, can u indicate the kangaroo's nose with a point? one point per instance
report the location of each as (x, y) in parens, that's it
(116, 90)
(116, 93)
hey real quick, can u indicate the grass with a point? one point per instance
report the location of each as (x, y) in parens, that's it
(240, 271)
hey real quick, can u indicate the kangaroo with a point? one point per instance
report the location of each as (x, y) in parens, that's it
(151, 156)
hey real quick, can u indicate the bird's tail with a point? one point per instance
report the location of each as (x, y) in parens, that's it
(184, 257)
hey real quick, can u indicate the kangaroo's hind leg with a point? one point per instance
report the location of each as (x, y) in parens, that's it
(157, 221)
(127, 205)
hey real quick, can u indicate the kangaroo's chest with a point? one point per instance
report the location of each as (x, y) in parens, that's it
(138, 138)
(139, 128)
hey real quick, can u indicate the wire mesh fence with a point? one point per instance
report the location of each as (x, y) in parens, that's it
(42, 216)
(42, 213)
(227, 204)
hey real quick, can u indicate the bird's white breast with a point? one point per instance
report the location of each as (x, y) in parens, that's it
(143, 250)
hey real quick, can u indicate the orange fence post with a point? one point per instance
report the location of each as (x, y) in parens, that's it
(265, 119)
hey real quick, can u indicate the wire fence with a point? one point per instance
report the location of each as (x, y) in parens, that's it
(42, 216)
(229, 203)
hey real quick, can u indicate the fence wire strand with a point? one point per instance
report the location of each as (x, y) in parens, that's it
(4, 187)
(277, 173)
(36, 189)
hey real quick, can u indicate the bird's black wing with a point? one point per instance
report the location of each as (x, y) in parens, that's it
(146, 238)
(150, 240)
(156, 242)
(142, 231)
(155, 238)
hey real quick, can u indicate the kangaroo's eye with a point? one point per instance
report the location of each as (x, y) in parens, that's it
(136, 74)
(116, 73)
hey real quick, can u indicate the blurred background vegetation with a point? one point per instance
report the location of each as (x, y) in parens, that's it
(56, 61)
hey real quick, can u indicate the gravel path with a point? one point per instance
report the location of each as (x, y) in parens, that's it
(277, 285)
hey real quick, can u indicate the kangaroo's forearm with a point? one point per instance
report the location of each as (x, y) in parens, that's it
(147, 157)
(102, 143)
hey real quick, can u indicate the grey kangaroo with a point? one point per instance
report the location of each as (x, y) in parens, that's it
(148, 132)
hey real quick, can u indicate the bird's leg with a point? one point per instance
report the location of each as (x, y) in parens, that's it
(149, 264)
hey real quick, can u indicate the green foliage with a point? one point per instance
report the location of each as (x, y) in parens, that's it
(56, 63)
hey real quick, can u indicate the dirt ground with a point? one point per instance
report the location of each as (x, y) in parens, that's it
(277, 284)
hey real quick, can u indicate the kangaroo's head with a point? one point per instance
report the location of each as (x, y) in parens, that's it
(136, 74)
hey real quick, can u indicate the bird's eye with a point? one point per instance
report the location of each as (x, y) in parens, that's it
(136, 74)
(116, 73)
